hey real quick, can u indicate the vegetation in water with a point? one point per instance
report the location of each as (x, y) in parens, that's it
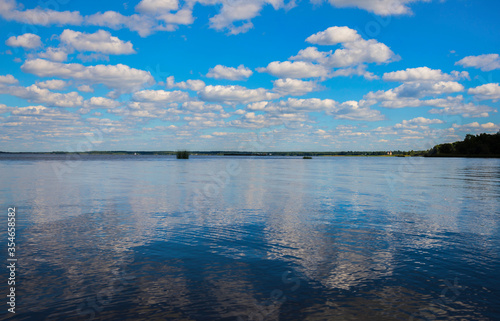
(182, 154)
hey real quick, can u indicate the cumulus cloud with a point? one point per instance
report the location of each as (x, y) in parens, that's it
(42, 95)
(484, 62)
(35, 111)
(235, 94)
(11, 11)
(354, 110)
(311, 54)
(380, 7)
(161, 96)
(486, 92)
(4, 109)
(181, 17)
(296, 69)
(100, 41)
(100, 102)
(153, 14)
(253, 120)
(422, 74)
(235, 16)
(159, 15)
(231, 73)
(334, 36)
(54, 54)
(293, 113)
(355, 50)
(191, 84)
(294, 87)
(200, 106)
(144, 25)
(411, 94)
(477, 127)
(457, 106)
(417, 122)
(351, 110)
(8, 79)
(28, 41)
(155, 6)
(120, 77)
(55, 84)
(399, 97)
(85, 88)
(351, 59)
(294, 105)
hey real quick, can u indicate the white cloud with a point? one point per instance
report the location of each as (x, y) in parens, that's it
(100, 41)
(8, 79)
(28, 40)
(91, 57)
(181, 17)
(197, 106)
(410, 94)
(238, 10)
(294, 87)
(417, 122)
(142, 24)
(252, 120)
(477, 127)
(241, 11)
(380, 7)
(100, 102)
(457, 106)
(231, 73)
(42, 95)
(351, 110)
(161, 96)
(486, 92)
(422, 74)
(55, 84)
(54, 54)
(355, 50)
(484, 62)
(351, 59)
(294, 105)
(359, 52)
(354, 110)
(86, 88)
(155, 6)
(33, 111)
(406, 94)
(4, 109)
(235, 94)
(296, 69)
(119, 77)
(218, 134)
(311, 54)
(9, 10)
(333, 36)
(191, 84)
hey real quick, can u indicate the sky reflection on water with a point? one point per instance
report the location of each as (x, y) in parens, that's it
(272, 238)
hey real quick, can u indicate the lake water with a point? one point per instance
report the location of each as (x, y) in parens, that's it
(253, 238)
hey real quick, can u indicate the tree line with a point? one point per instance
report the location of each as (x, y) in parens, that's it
(481, 145)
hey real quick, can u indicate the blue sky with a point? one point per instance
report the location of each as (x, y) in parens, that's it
(247, 75)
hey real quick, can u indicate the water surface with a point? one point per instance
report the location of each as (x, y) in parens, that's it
(254, 238)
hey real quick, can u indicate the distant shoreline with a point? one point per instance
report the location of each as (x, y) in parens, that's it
(232, 153)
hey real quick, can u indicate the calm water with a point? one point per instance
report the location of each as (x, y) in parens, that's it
(229, 238)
